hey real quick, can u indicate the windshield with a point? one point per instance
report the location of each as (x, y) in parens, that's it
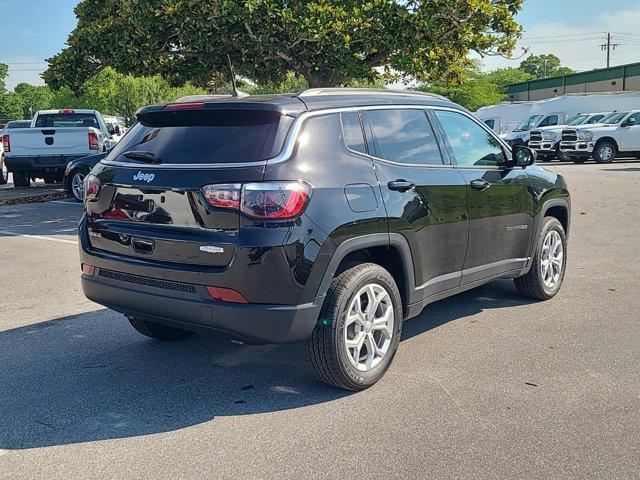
(49, 120)
(218, 136)
(613, 118)
(528, 124)
(577, 119)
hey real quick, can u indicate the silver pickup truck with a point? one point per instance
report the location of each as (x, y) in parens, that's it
(54, 139)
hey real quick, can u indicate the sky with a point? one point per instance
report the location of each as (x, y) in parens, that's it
(573, 30)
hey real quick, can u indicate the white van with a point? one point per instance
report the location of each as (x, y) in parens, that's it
(504, 117)
(556, 111)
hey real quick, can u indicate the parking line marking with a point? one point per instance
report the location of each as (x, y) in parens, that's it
(66, 202)
(8, 233)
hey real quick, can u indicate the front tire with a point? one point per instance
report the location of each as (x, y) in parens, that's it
(561, 156)
(605, 152)
(359, 328)
(544, 279)
(158, 331)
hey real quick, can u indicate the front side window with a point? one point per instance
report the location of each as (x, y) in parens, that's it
(352, 132)
(404, 136)
(614, 118)
(635, 116)
(471, 144)
(549, 121)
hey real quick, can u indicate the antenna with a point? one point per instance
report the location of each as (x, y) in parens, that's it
(234, 90)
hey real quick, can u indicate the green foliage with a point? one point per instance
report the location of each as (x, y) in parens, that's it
(475, 92)
(327, 42)
(542, 66)
(109, 92)
(4, 71)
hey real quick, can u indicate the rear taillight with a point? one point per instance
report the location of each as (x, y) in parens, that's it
(223, 196)
(91, 187)
(6, 143)
(268, 200)
(93, 141)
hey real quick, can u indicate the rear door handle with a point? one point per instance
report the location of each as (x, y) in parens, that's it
(479, 184)
(400, 185)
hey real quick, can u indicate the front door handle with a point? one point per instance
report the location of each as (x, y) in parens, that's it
(400, 185)
(479, 184)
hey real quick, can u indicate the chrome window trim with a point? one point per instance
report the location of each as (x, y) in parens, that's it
(292, 136)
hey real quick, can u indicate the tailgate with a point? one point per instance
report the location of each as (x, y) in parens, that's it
(156, 209)
(33, 142)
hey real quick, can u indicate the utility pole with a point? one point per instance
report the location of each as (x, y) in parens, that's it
(608, 47)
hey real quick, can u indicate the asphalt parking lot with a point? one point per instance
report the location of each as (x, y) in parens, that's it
(484, 385)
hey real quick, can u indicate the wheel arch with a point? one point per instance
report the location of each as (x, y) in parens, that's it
(390, 251)
(607, 139)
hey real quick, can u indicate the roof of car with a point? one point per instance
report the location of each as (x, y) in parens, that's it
(314, 99)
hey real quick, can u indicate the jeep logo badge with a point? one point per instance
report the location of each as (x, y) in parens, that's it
(145, 177)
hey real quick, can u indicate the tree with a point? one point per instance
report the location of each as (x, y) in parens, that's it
(327, 42)
(503, 77)
(476, 91)
(11, 106)
(4, 71)
(542, 66)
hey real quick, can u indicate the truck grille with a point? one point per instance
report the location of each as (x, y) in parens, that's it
(569, 136)
(536, 136)
(147, 282)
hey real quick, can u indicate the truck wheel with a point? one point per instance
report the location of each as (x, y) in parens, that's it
(49, 178)
(158, 331)
(21, 179)
(547, 272)
(358, 330)
(563, 157)
(605, 152)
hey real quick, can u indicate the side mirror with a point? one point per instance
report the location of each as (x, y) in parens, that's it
(631, 121)
(523, 156)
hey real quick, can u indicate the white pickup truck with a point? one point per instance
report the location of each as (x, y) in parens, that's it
(55, 138)
(617, 133)
(546, 140)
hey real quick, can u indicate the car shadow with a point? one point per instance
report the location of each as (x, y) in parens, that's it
(91, 377)
(50, 218)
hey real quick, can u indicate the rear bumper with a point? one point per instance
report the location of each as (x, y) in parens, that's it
(39, 164)
(192, 310)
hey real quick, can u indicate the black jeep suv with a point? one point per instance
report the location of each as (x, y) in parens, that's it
(329, 216)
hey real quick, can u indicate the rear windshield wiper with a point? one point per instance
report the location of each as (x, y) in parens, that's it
(142, 156)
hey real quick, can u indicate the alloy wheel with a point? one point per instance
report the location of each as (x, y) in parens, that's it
(368, 329)
(77, 185)
(552, 259)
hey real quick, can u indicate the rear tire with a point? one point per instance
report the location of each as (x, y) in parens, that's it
(76, 185)
(544, 279)
(158, 331)
(605, 152)
(21, 179)
(359, 328)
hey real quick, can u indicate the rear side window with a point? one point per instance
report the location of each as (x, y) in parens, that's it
(58, 120)
(404, 136)
(352, 132)
(206, 136)
(595, 119)
(491, 123)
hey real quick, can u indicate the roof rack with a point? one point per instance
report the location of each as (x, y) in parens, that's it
(335, 91)
(204, 98)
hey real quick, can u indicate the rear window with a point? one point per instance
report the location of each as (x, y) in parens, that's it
(206, 136)
(50, 120)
